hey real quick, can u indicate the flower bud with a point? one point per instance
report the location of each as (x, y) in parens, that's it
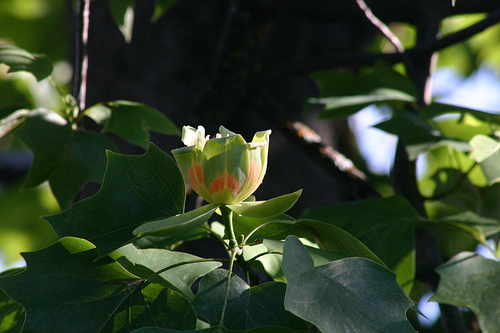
(224, 170)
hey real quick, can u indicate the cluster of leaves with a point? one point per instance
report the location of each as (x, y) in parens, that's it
(345, 267)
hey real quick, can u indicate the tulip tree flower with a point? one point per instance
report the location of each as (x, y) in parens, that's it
(225, 170)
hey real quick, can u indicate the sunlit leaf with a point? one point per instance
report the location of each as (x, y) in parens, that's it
(131, 120)
(486, 151)
(122, 12)
(269, 208)
(329, 236)
(472, 281)
(351, 294)
(144, 263)
(135, 189)
(436, 109)
(11, 121)
(340, 107)
(177, 224)
(21, 60)
(11, 313)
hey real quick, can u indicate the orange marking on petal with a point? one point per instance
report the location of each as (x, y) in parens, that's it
(195, 177)
(225, 181)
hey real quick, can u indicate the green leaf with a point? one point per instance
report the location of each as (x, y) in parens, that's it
(21, 227)
(213, 329)
(65, 157)
(131, 121)
(282, 226)
(268, 208)
(21, 60)
(11, 314)
(472, 281)
(135, 189)
(63, 282)
(329, 237)
(161, 7)
(144, 263)
(153, 306)
(342, 83)
(335, 239)
(454, 236)
(247, 308)
(385, 225)
(437, 109)
(351, 294)
(486, 151)
(10, 122)
(177, 224)
(409, 131)
(341, 107)
(319, 256)
(122, 12)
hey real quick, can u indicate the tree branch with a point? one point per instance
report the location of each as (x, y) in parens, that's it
(357, 59)
(387, 10)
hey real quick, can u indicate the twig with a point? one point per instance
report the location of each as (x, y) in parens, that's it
(384, 29)
(81, 52)
(356, 59)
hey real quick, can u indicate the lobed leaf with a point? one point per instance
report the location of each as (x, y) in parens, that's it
(21, 60)
(65, 157)
(63, 281)
(247, 308)
(144, 263)
(346, 295)
(135, 189)
(473, 281)
(131, 121)
(153, 306)
(385, 225)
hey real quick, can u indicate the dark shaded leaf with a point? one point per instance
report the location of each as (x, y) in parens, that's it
(247, 308)
(153, 306)
(473, 281)
(385, 225)
(135, 189)
(131, 120)
(65, 157)
(63, 282)
(11, 313)
(346, 295)
(161, 7)
(21, 60)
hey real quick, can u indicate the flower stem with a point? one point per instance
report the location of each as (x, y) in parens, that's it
(228, 287)
(227, 218)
